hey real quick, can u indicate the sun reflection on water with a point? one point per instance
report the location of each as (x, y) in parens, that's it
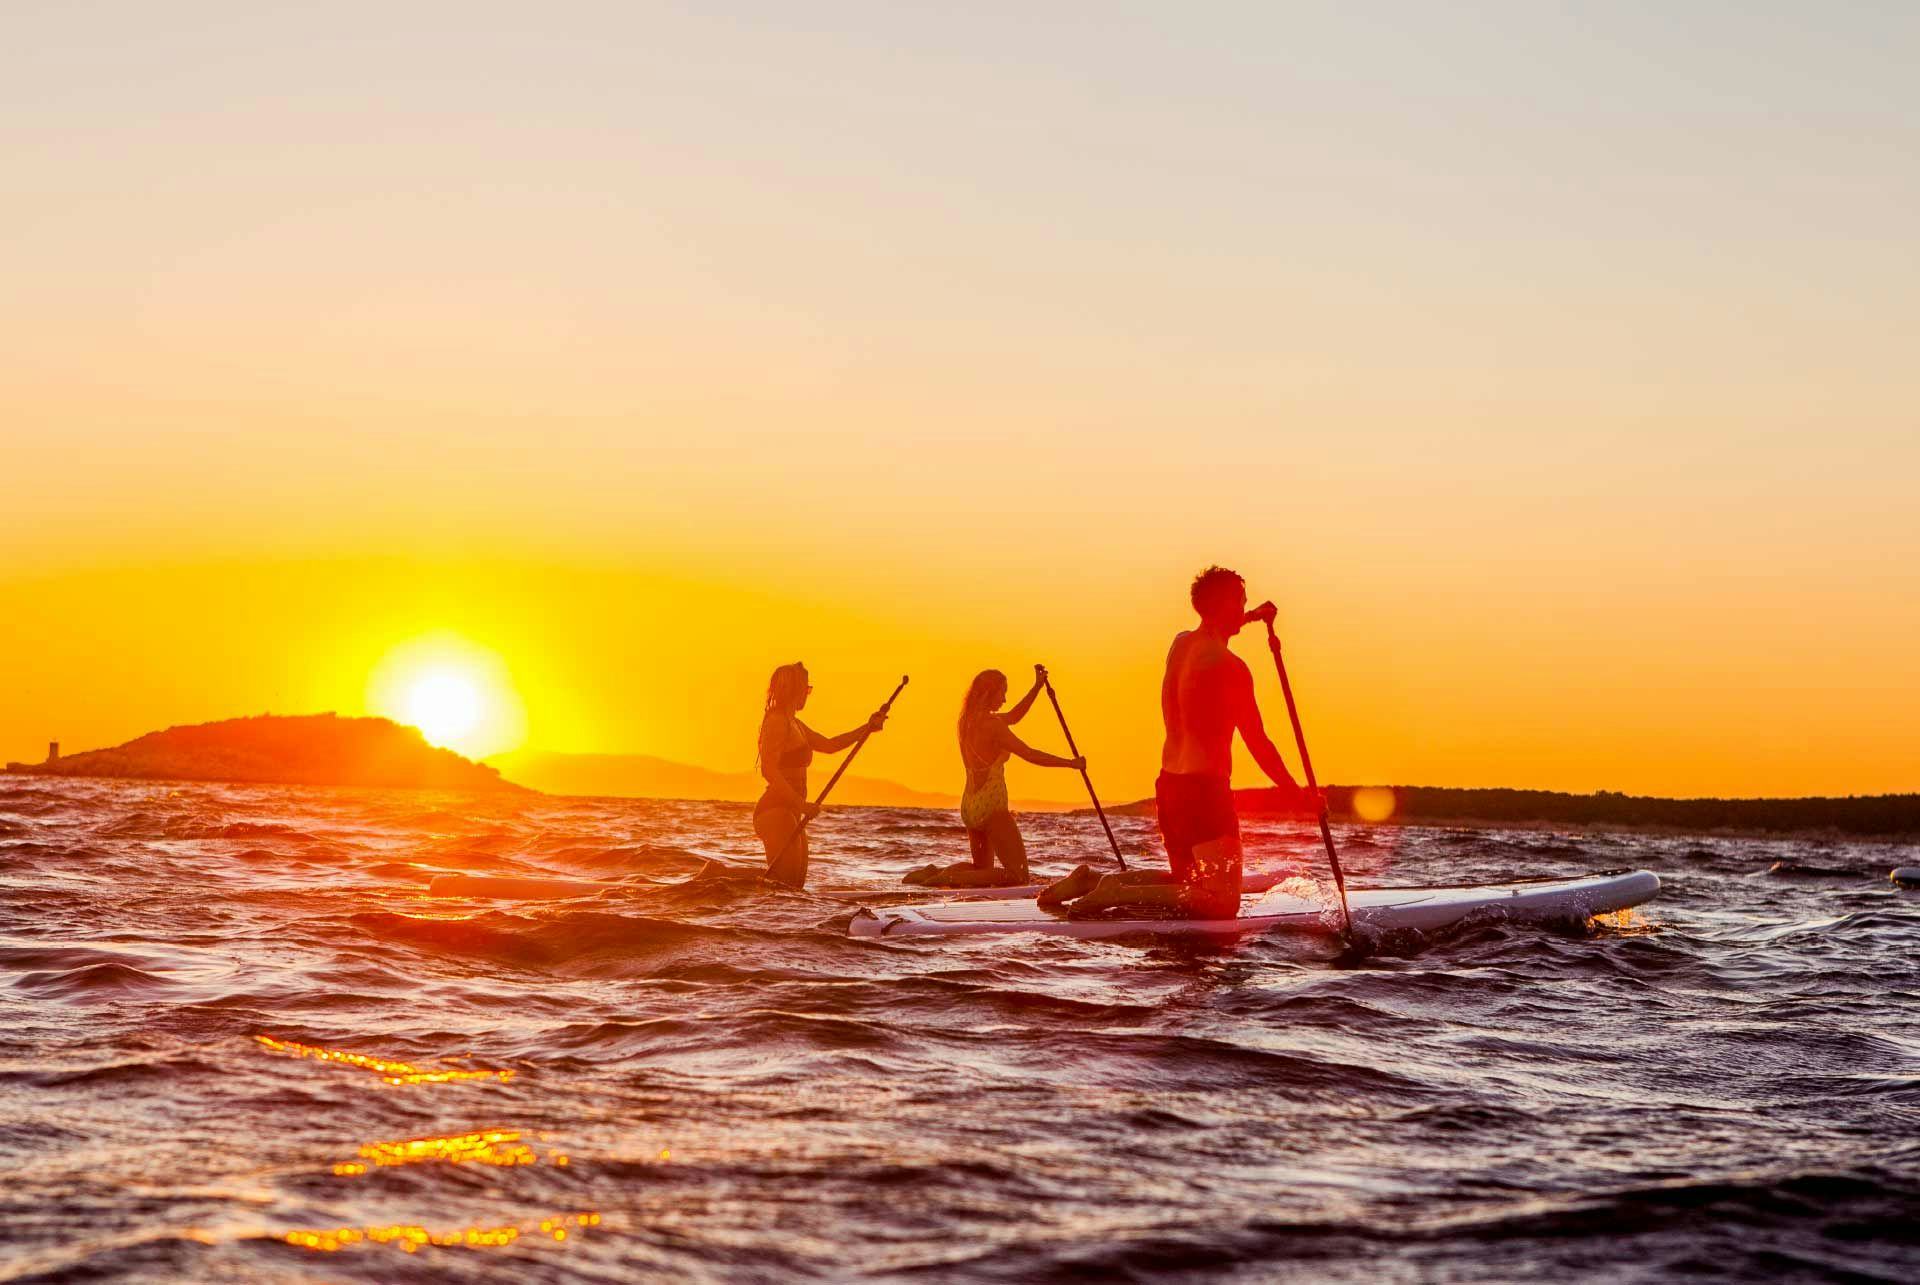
(411, 1238)
(501, 1147)
(389, 1072)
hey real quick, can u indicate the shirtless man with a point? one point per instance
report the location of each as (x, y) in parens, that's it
(1206, 695)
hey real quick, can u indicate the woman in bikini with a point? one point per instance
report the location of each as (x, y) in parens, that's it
(787, 746)
(986, 741)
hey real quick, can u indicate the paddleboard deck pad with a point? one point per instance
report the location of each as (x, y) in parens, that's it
(1380, 909)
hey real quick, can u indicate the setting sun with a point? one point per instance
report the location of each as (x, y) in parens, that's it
(444, 706)
(458, 694)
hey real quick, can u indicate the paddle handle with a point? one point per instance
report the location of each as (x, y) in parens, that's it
(1306, 767)
(833, 780)
(1074, 750)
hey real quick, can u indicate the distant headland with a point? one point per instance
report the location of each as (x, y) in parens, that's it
(311, 749)
(1890, 816)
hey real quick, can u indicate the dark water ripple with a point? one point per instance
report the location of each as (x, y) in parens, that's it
(237, 1042)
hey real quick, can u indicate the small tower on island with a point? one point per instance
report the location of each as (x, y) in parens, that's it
(53, 751)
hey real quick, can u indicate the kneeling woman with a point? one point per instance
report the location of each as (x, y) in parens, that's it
(787, 746)
(986, 741)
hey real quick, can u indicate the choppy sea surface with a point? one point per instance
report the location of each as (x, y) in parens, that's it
(238, 1042)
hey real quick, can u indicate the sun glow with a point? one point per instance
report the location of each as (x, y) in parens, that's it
(459, 695)
(445, 706)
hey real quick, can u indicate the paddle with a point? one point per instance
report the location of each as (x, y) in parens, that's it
(1074, 750)
(832, 781)
(1306, 765)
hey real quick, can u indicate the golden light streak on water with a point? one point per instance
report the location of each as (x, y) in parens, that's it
(389, 1072)
(501, 1147)
(412, 1237)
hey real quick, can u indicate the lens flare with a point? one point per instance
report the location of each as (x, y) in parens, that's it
(1374, 803)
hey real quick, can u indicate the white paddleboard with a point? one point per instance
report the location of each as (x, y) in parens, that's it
(1259, 881)
(540, 888)
(1420, 909)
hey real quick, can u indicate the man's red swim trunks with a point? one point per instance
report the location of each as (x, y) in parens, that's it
(1197, 808)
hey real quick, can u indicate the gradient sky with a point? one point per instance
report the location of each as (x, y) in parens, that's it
(1551, 365)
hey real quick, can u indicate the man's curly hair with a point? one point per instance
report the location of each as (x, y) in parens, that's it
(1215, 580)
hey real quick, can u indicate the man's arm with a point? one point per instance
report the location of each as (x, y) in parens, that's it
(1246, 717)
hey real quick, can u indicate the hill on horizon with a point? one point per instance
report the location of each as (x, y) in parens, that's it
(283, 749)
(644, 776)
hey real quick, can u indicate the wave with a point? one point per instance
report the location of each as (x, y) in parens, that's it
(1728, 1080)
(549, 941)
(95, 981)
(1701, 1227)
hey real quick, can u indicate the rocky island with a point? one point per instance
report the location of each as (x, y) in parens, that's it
(312, 749)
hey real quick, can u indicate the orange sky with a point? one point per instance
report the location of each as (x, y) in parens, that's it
(1555, 378)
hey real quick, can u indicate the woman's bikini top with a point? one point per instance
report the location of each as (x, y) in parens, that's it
(793, 762)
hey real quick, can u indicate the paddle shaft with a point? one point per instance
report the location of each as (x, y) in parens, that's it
(1074, 750)
(1306, 766)
(832, 781)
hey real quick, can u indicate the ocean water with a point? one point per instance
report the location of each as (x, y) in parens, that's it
(237, 1042)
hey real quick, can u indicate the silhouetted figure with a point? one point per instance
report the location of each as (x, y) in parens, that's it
(1205, 696)
(787, 746)
(986, 741)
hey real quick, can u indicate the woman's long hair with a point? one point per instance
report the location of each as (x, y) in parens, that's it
(976, 701)
(783, 689)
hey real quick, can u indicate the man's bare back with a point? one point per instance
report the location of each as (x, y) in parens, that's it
(1200, 698)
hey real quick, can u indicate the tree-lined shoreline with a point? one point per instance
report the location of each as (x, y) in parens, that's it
(1888, 816)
